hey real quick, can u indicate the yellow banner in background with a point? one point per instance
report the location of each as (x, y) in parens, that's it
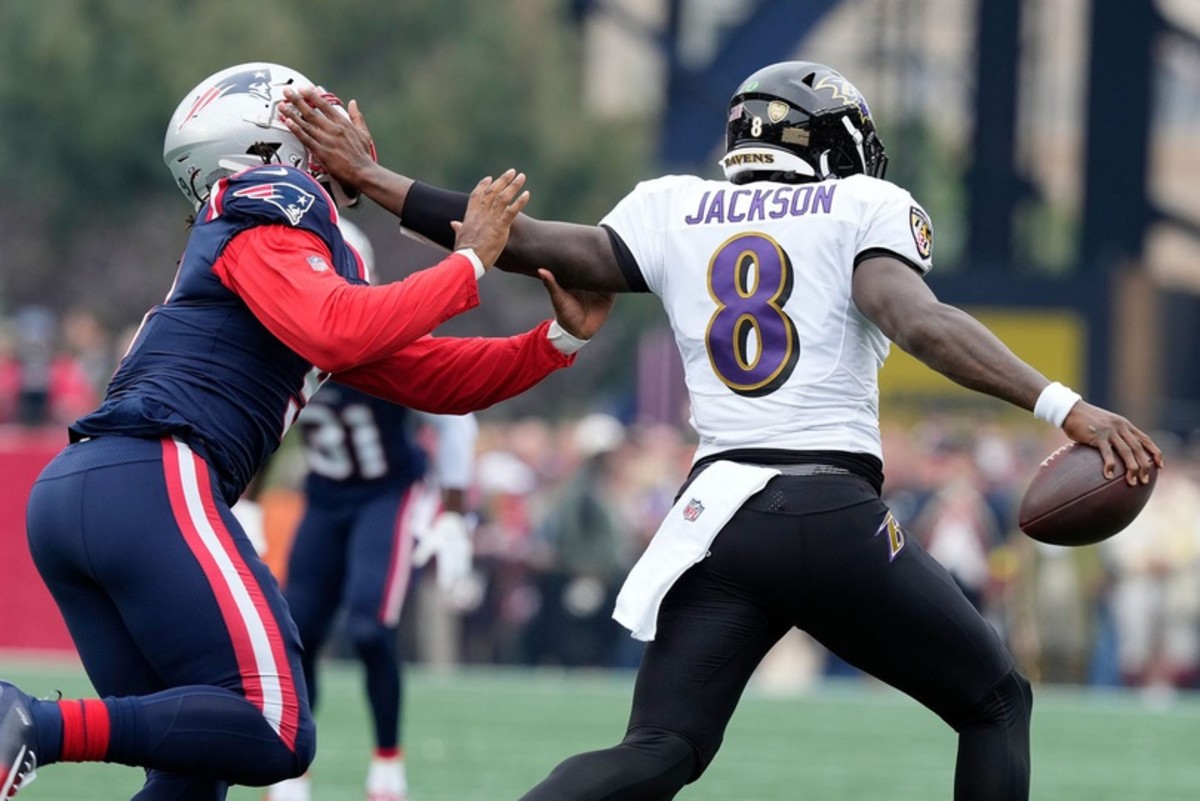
(1052, 341)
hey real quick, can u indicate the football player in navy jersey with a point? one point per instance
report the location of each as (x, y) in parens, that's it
(366, 500)
(179, 624)
(784, 284)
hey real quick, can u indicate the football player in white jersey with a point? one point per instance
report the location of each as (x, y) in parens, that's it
(784, 285)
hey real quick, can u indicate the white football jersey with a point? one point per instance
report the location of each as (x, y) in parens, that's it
(756, 281)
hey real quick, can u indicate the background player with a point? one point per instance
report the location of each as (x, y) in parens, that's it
(178, 622)
(365, 499)
(783, 284)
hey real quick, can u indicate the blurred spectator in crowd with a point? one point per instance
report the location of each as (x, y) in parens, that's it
(1055, 610)
(86, 338)
(1156, 584)
(656, 461)
(906, 484)
(582, 540)
(10, 375)
(41, 384)
(503, 599)
(956, 525)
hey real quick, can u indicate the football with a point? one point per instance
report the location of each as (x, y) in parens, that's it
(1070, 502)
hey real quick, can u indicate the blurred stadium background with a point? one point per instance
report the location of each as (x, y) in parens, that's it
(1056, 144)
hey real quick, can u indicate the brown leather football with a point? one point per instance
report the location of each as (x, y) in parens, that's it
(1070, 502)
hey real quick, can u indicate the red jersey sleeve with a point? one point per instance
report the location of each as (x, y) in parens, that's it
(450, 375)
(283, 275)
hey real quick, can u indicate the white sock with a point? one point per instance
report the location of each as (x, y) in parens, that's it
(386, 779)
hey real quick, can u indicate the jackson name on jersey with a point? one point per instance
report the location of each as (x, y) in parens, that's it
(756, 282)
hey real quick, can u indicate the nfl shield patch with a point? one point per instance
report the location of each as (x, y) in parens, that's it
(693, 510)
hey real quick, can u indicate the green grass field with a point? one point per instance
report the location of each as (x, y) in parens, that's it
(483, 735)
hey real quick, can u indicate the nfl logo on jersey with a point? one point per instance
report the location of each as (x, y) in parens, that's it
(693, 510)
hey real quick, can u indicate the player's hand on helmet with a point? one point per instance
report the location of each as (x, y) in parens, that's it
(1123, 447)
(343, 147)
(491, 209)
(580, 312)
(449, 540)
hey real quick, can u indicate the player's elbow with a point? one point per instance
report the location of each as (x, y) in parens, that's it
(333, 354)
(453, 406)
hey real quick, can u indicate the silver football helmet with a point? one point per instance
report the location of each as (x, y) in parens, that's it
(231, 122)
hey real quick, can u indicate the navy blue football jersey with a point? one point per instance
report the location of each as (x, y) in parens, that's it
(202, 367)
(357, 445)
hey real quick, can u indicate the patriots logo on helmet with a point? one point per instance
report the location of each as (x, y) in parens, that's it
(293, 201)
(250, 82)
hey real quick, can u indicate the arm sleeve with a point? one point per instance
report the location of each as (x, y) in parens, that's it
(449, 375)
(283, 275)
(428, 211)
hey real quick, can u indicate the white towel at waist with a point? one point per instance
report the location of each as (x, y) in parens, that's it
(683, 539)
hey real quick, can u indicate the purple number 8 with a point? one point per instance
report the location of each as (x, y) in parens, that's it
(750, 278)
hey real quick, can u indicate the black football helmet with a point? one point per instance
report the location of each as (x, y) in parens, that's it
(799, 121)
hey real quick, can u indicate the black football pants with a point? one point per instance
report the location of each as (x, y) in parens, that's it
(813, 552)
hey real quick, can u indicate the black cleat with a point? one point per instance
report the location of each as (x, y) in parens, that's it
(18, 762)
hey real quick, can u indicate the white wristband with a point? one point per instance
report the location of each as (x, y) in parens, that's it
(563, 340)
(476, 262)
(1055, 403)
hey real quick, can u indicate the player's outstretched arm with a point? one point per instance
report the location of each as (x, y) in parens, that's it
(456, 375)
(894, 297)
(580, 256)
(344, 148)
(281, 274)
(459, 375)
(491, 209)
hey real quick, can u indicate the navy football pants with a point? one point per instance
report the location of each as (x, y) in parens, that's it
(815, 553)
(356, 556)
(173, 615)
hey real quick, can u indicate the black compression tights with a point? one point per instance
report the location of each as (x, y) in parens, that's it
(653, 765)
(648, 765)
(998, 725)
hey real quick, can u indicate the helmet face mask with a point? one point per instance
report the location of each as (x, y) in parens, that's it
(800, 121)
(230, 122)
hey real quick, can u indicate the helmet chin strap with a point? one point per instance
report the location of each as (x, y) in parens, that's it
(197, 198)
(345, 197)
(824, 164)
(857, 136)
